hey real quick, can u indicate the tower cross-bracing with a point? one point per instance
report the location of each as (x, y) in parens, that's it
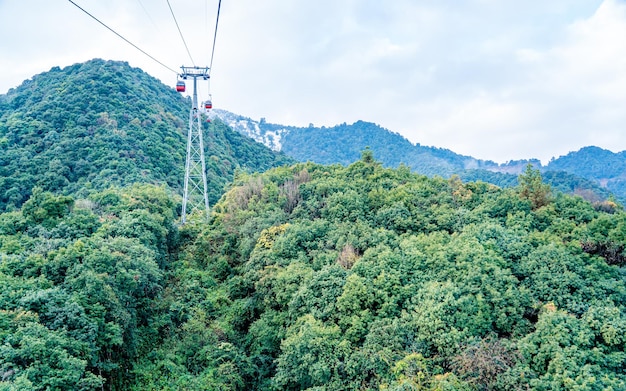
(195, 196)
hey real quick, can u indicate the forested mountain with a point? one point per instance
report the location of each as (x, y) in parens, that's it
(305, 277)
(315, 277)
(344, 143)
(605, 167)
(364, 278)
(101, 123)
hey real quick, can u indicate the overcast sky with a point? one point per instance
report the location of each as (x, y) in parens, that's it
(494, 79)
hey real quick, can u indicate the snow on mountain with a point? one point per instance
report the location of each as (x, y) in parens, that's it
(268, 134)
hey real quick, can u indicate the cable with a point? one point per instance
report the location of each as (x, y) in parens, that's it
(214, 37)
(148, 15)
(127, 41)
(180, 32)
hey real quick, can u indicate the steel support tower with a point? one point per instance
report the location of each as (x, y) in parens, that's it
(195, 195)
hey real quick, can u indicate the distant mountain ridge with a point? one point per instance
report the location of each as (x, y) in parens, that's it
(607, 168)
(592, 172)
(101, 123)
(260, 131)
(343, 144)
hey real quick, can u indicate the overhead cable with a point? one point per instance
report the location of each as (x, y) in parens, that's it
(147, 14)
(127, 41)
(180, 32)
(217, 20)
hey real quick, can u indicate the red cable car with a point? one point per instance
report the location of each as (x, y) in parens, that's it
(180, 86)
(208, 104)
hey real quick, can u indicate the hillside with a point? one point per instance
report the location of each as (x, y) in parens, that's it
(605, 167)
(316, 277)
(360, 277)
(101, 123)
(306, 276)
(81, 282)
(343, 144)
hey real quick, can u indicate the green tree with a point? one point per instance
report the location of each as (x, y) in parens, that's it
(45, 208)
(312, 356)
(532, 188)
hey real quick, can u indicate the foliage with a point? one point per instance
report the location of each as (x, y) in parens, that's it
(92, 125)
(592, 172)
(315, 277)
(375, 278)
(340, 277)
(80, 287)
(533, 189)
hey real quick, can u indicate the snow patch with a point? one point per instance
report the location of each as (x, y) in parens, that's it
(251, 128)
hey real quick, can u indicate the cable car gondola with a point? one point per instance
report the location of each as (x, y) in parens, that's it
(208, 104)
(180, 86)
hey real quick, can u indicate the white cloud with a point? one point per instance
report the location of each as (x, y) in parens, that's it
(584, 78)
(495, 80)
(552, 100)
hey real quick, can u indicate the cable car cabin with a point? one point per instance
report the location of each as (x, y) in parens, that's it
(180, 86)
(208, 105)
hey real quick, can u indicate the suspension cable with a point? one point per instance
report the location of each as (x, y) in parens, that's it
(127, 41)
(148, 15)
(214, 37)
(180, 32)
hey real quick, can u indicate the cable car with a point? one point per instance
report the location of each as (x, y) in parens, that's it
(180, 86)
(208, 104)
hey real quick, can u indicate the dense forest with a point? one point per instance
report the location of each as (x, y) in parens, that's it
(88, 126)
(80, 283)
(360, 277)
(305, 277)
(604, 166)
(320, 278)
(592, 172)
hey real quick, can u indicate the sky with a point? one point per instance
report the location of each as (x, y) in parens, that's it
(494, 79)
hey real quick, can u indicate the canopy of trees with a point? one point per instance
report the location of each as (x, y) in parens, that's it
(306, 277)
(591, 172)
(320, 278)
(101, 123)
(79, 283)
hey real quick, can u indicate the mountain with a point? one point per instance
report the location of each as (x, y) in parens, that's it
(605, 167)
(358, 277)
(311, 277)
(305, 277)
(261, 131)
(101, 123)
(344, 143)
